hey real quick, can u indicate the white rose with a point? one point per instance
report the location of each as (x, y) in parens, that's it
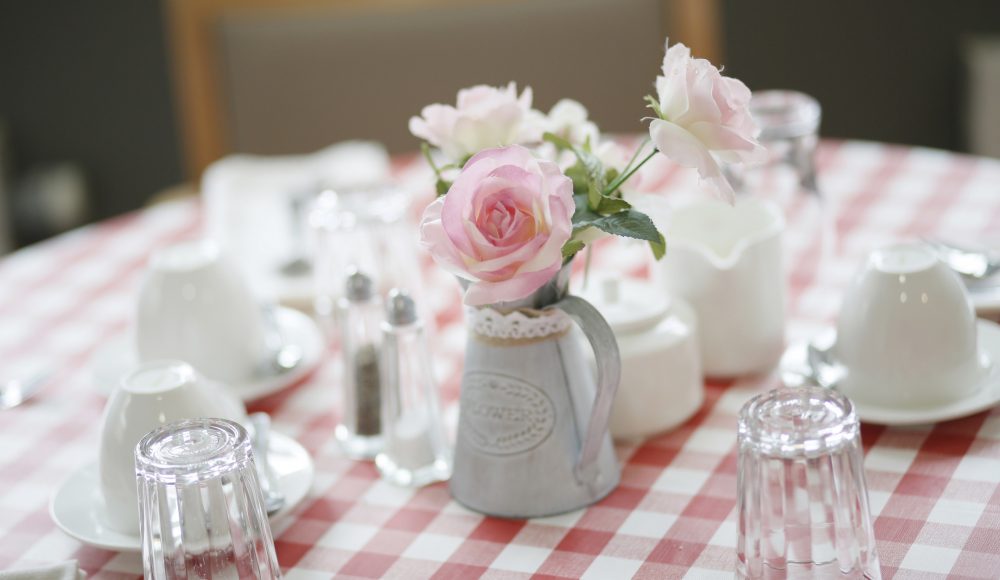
(703, 116)
(484, 117)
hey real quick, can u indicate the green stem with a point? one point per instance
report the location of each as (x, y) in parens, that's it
(426, 150)
(635, 155)
(624, 177)
(586, 269)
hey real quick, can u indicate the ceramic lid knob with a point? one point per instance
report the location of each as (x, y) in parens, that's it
(629, 306)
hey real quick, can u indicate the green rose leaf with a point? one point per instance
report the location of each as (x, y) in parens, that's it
(589, 162)
(610, 205)
(659, 248)
(583, 213)
(571, 247)
(629, 224)
(654, 104)
(559, 142)
(593, 196)
(578, 174)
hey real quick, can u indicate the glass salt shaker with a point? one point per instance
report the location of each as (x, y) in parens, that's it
(416, 450)
(359, 316)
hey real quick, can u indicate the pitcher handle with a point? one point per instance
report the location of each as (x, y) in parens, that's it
(609, 368)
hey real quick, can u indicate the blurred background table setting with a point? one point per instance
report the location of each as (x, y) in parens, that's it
(429, 331)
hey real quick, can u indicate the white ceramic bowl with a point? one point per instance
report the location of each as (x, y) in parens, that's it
(907, 331)
(154, 394)
(194, 306)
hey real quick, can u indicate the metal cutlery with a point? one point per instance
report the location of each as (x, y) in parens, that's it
(973, 265)
(18, 390)
(824, 370)
(281, 356)
(810, 364)
(260, 427)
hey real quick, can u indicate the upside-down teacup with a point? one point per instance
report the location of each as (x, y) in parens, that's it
(195, 306)
(906, 332)
(153, 394)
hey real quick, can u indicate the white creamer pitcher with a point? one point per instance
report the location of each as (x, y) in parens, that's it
(726, 261)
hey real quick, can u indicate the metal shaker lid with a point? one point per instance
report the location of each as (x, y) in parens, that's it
(400, 309)
(359, 287)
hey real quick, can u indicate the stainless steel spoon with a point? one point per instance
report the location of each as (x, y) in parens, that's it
(281, 356)
(811, 364)
(18, 390)
(299, 264)
(824, 370)
(260, 424)
(970, 264)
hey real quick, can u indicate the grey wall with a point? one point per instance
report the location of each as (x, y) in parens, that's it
(889, 70)
(88, 82)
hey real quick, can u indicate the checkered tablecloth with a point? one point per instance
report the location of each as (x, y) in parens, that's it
(935, 490)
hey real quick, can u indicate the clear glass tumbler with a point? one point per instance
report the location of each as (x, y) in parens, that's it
(366, 230)
(201, 509)
(789, 130)
(801, 492)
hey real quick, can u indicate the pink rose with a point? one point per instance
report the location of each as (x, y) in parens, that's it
(702, 114)
(502, 225)
(484, 117)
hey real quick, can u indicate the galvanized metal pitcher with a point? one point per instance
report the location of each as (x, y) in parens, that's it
(533, 426)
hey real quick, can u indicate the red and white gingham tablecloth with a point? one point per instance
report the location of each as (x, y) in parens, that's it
(935, 490)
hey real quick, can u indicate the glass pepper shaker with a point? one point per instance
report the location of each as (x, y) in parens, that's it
(359, 315)
(416, 450)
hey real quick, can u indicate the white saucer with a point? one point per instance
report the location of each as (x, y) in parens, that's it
(77, 508)
(118, 356)
(985, 296)
(986, 395)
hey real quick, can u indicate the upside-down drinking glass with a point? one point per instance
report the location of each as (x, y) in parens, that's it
(789, 131)
(363, 230)
(801, 492)
(201, 510)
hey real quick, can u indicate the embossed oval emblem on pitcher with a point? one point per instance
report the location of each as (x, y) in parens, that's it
(504, 415)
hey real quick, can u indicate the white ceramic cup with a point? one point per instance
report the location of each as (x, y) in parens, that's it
(196, 307)
(907, 331)
(152, 395)
(726, 262)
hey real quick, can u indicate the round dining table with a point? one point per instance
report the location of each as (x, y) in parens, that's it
(934, 489)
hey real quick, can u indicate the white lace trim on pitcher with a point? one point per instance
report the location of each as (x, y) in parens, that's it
(523, 324)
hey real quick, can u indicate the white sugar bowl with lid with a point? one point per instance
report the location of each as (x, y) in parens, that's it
(661, 382)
